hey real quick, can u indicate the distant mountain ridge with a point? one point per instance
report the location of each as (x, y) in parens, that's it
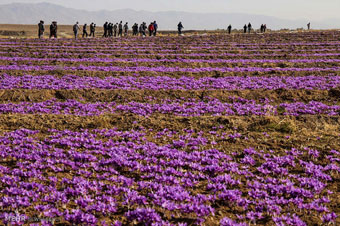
(25, 13)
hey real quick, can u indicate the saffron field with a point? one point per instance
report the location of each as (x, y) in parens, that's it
(198, 130)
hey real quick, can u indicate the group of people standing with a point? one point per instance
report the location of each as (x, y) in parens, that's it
(118, 29)
(53, 29)
(114, 30)
(263, 28)
(110, 29)
(142, 29)
(92, 30)
(247, 28)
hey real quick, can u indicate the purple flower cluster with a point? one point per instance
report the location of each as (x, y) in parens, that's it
(123, 171)
(190, 107)
(148, 60)
(21, 67)
(167, 83)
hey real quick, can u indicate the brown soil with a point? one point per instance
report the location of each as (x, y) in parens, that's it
(121, 96)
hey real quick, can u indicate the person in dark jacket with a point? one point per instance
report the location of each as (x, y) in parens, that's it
(53, 29)
(142, 29)
(249, 27)
(41, 28)
(229, 29)
(110, 30)
(155, 28)
(126, 29)
(135, 29)
(92, 29)
(115, 27)
(245, 28)
(308, 26)
(85, 34)
(180, 28)
(105, 26)
(120, 29)
(145, 27)
(76, 29)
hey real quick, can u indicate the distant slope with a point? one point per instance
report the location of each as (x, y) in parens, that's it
(22, 13)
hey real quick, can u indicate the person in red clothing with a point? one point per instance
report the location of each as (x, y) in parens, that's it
(151, 29)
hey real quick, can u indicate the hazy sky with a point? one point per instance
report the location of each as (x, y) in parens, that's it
(287, 9)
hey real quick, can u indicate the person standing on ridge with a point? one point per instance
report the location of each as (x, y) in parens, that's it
(41, 28)
(142, 29)
(264, 28)
(126, 29)
(151, 29)
(85, 34)
(308, 26)
(155, 28)
(53, 29)
(92, 29)
(245, 28)
(120, 29)
(135, 29)
(249, 27)
(110, 28)
(105, 29)
(229, 29)
(180, 28)
(76, 29)
(115, 27)
(145, 27)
